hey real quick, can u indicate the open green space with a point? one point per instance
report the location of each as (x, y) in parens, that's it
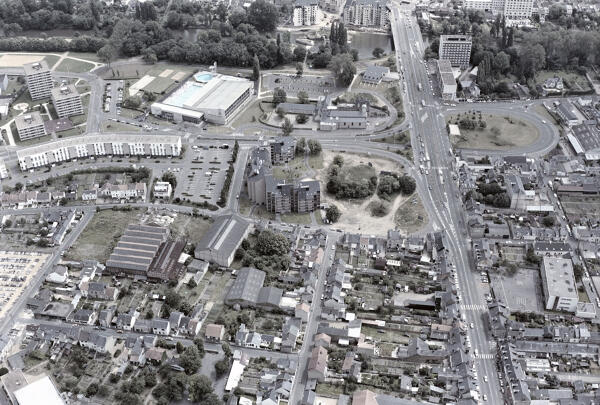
(401, 138)
(296, 218)
(571, 79)
(74, 65)
(113, 126)
(192, 229)
(293, 170)
(411, 215)
(492, 132)
(100, 236)
(252, 113)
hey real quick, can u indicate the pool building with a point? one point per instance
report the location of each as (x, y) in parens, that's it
(207, 96)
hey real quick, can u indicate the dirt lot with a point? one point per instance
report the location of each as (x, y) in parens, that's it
(100, 235)
(512, 133)
(353, 217)
(411, 216)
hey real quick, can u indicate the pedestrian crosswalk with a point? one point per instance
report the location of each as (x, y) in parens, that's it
(485, 356)
(473, 307)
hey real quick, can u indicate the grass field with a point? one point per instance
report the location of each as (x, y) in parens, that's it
(500, 133)
(16, 60)
(100, 236)
(411, 216)
(402, 138)
(112, 126)
(85, 55)
(295, 218)
(190, 228)
(72, 65)
(292, 171)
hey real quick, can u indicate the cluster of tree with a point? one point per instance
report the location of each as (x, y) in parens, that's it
(491, 194)
(269, 252)
(79, 44)
(346, 187)
(336, 55)
(236, 150)
(471, 124)
(174, 386)
(175, 302)
(226, 185)
(390, 184)
(332, 213)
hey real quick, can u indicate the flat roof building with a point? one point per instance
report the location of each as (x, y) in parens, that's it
(558, 283)
(448, 86)
(98, 145)
(456, 49)
(214, 97)
(223, 238)
(31, 394)
(30, 125)
(66, 101)
(375, 74)
(366, 13)
(306, 12)
(39, 79)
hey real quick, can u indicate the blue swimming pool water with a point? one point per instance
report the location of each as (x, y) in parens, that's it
(203, 77)
(179, 98)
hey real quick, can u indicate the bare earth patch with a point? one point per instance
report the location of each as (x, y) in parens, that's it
(356, 215)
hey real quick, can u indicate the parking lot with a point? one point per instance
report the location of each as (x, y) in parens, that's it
(517, 291)
(292, 84)
(203, 179)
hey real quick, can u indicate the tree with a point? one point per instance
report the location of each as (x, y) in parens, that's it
(332, 213)
(221, 367)
(301, 118)
(300, 146)
(280, 112)
(279, 96)
(190, 359)
(548, 221)
(263, 16)
(314, 147)
(338, 160)
(299, 53)
(299, 68)
(200, 387)
(342, 67)
(303, 97)
(226, 349)
(270, 243)
(107, 54)
(170, 178)
(18, 186)
(92, 390)
(378, 52)
(255, 68)
(287, 127)
(133, 102)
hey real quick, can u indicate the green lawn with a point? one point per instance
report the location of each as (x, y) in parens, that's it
(402, 138)
(190, 228)
(316, 162)
(295, 218)
(112, 126)
(85, 55)
(72, 65)
(573, 80)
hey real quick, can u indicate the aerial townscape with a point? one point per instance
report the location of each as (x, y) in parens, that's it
(299, 202)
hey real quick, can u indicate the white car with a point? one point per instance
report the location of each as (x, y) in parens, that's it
(485, 379)
(472, 325)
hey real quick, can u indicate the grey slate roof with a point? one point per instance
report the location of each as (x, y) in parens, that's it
(247, 285)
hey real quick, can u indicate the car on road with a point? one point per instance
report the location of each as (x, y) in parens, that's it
(484, 397)
(472, 325)
(485, 379)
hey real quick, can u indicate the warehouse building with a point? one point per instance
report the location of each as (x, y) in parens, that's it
(558, 282)
(39, 79)
(66, 101)
(98, 145)
(208, 96)
(223, 238)
(30, 126)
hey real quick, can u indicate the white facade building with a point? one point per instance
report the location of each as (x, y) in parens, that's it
(367, 13)
(67, 101)
(559, 286)
(306, 12)
(30, 125)
(162, 189)
(39, 79)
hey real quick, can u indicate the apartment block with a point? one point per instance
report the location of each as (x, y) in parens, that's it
(447, 82)
(301, 196)
(306, 12)
(39, 79)
(67, 101)
(456, 49)
(558, 282)
(332, 6)
(367, 13)
(511, 9)
(30, 125)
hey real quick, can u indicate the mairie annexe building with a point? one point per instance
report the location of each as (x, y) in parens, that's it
(98, 145)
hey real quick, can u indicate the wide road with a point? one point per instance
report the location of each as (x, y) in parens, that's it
(429, 127)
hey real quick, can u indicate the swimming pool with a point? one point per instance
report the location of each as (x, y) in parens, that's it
(203, 77)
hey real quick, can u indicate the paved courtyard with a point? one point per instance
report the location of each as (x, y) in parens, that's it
(521, 292)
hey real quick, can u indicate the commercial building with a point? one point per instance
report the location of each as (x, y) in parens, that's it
(558, 283)
(456, 49)
(375, 74)
(206, 95)
(39, 79)
(223, 238)
(585, 139)
(98, 145)
(306, 12)
(511, 9)
(30, 125)
(567, 113)
(33, 392)
(447, 81)
(367, 13)
(248, 291)
(331, 6)
(162, 189)
(67, 101)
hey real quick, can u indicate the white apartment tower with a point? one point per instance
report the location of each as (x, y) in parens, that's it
(456, 49)
(306, 12)
(39, 79)
(367, 13)
(30, 125)
(67, 101)
(511, 9)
